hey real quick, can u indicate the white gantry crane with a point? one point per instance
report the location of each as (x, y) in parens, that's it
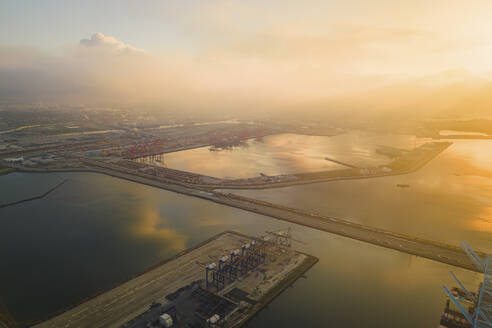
(480, 316)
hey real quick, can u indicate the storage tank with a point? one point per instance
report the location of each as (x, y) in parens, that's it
(166, 320)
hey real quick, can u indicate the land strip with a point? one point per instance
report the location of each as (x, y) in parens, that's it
(404, 243)
(308, 263)
(160, 285)
(407, 163)
(433, 250)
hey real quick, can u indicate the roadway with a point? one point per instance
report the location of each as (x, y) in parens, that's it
(429, 249)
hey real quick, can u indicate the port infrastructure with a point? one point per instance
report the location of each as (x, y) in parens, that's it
(177, 287)
(238, 263)
(246, 257)
(480, 315)
(207, 188)
(282, 237)
(434, 250)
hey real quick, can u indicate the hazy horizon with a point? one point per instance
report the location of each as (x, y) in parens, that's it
(185, 163)
(235, 56)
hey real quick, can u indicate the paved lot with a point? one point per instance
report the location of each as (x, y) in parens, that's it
(123, 303)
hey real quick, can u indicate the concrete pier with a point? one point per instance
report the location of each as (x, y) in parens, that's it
(131, 302)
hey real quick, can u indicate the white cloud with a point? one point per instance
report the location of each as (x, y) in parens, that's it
(99, 40)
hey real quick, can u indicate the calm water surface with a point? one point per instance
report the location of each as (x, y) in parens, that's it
(450, 199)
(287, 153)
(97, 230)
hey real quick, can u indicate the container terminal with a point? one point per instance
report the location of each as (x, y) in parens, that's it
(222, 282)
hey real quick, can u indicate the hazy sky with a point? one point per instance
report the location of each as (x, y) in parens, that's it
(273, 53)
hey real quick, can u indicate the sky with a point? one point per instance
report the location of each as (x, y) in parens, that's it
(243, 54)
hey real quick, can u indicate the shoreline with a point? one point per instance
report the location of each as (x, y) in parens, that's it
(99, 168)
(138, 274)
(276, 291)
(142, 279)
(433, 250)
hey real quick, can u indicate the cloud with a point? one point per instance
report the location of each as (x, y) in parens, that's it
(99, 40)
(279, 68)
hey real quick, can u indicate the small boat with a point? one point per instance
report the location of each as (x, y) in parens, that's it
(403, 185)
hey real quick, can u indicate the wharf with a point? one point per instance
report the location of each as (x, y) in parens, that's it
(127, 303)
